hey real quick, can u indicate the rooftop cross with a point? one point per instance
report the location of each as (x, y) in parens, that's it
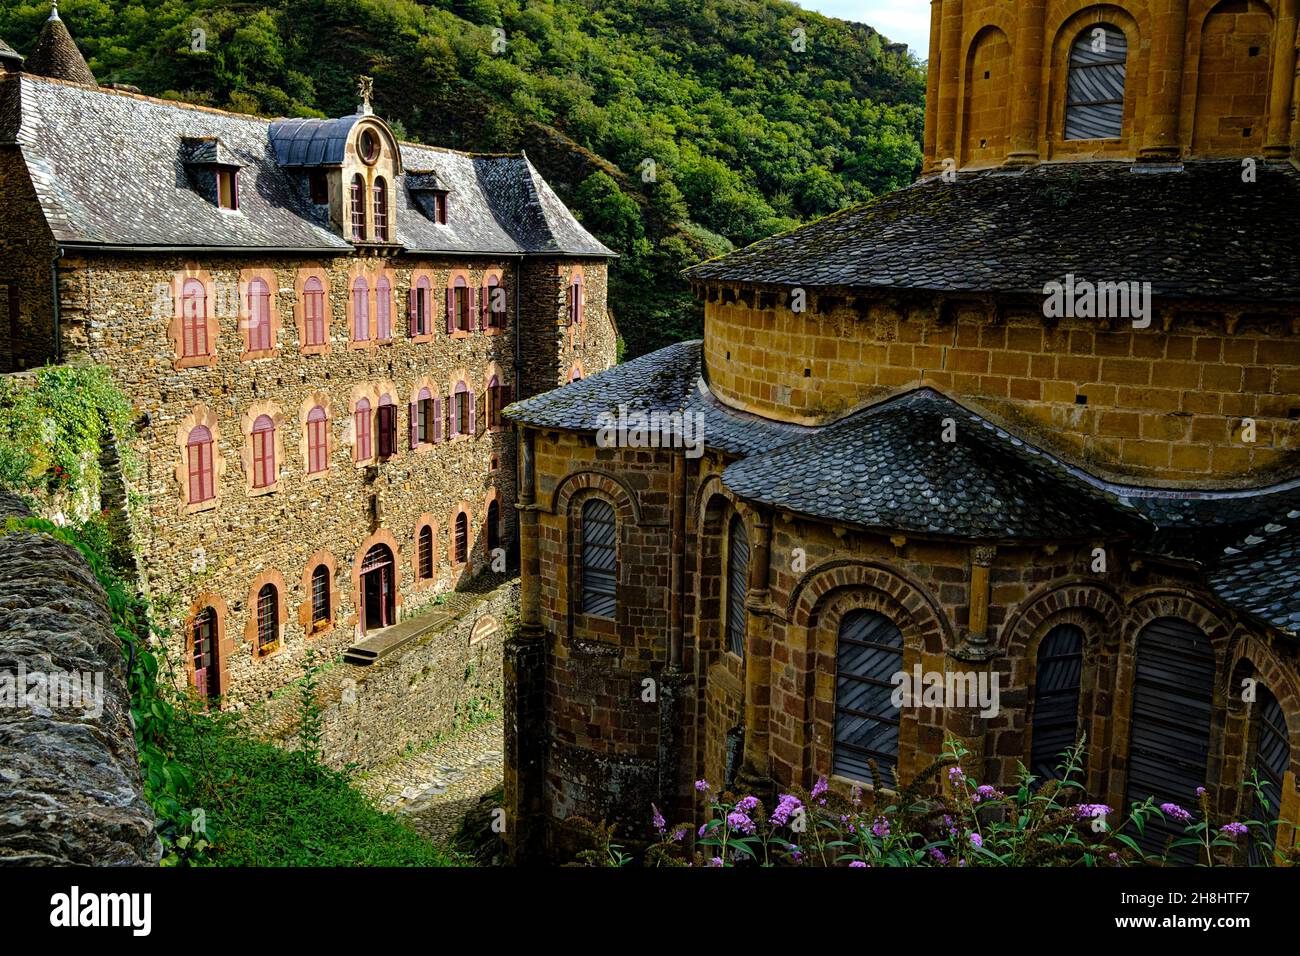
(365, 90)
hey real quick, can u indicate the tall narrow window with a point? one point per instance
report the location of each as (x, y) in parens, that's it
(259, 316)
(263, 452)
(493, 526)
(1272, 761)
(1169, 730)
(425, 549)
(381, 210)
(460, 298)
(317, 441)
(868, 655)
(420, 299)
(387, 420)
(203, 637)
(383, 310)
(313, 304)
(737, 584)
(268, 619)
(576, 301)
(361, 430)
(1094, 98)
(599, 559)
(1055, 721)
(194, 319)
(228, 188)
(494, 305)
(440, 207)
(320, 597)
(361, 310)
(198, 456)
(358, 208)
(425, 415)
(462, 538)
(462, 410)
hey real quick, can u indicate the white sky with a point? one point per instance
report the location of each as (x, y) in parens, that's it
(903, 21)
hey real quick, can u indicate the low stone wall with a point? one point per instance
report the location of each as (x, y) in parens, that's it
(70, 788)
(372, 714)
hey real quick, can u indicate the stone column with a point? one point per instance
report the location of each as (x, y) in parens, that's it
(950, 68)
(932, 88)
(530, 612)
(1282, 105)
(973, 654)
(1164, 81)
(758, 651)
(1027, 83)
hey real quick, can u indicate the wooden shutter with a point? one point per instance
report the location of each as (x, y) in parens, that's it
(1094, 99)
(869, 653)
(414, 428)
(737, 584)
(451, 310)
(473, 412)
(1169, 742)
(1055, 721)
(599, 559)
(448, 425)
(387, 430)
(413, 312)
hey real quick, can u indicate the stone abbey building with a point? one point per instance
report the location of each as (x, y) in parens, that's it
(1031, 423)
(319, 327)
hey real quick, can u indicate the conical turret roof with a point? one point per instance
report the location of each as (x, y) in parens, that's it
(56, 55)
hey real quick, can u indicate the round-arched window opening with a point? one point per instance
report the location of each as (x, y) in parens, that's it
(368, 146)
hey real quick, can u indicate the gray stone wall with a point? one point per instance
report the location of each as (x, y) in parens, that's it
(70, 789)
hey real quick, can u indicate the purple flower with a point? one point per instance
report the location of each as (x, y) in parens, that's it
(716, 861)
(881, 827)
(976, 840)
(796, 856)
(785, 808)
(820, 787)
(679, 835)
(702, 786)
(703, 828)
(747, 803)
(938, 856)
(857, 795)
(1090, 811)
(856, 865)
(1175, 811)
(987, 792)
(739, 820)
(658, 819)
(955, 775)
(1233, 829)
(1200, 792)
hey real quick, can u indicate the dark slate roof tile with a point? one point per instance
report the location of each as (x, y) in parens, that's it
(1215, 235)
(1260, 574)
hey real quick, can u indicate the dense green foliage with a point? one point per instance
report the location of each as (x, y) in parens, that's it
(757, 115)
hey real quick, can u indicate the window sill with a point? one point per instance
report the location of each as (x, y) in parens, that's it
(323, 349)
(262, 492)
(258, 354)
(195, 361)
(198, 507)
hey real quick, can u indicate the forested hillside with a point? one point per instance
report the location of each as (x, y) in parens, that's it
(675, 128)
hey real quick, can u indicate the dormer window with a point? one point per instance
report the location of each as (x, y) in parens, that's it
(381, 209)
(368, 146)
(228, 188)
(439, 198)
(358, 208)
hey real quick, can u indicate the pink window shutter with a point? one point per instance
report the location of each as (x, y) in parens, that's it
(415, 424)
(413, 313)
(451, 424)
(473, 413)
(451, 310)
(437, 419)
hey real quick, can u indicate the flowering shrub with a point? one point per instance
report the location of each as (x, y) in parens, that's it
(968, 824)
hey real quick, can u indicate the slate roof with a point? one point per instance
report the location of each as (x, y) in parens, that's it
(56, 55)
(1198, 525)
(110, 168)
(312, 142)
(1196, 233)
(1261, 573)
(9, 53)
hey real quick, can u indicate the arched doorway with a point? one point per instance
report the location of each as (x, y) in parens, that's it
(378, 593)
(207, 678)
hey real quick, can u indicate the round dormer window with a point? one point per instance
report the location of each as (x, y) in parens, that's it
(369, 146)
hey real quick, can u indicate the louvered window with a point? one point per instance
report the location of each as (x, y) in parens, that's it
(361, 311)
(737, 584)
(1272, 761)
(317, 441)
(869, 654)
(194, 319)
(383, 310)
(198, 452)
(259, 316)
(599, 559)
(1094, 99)
(1055, 722)
(313, 300)
(361, 430)
(1169, 743)
(264, 471)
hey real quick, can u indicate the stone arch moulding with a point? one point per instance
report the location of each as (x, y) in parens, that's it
(324, 557)
(426, 520)
(908, 596)
(203, 416)
(1078, 594)
(385, 537)
(992, 48)
(1265, 667)
(282, 612)
(620, 494)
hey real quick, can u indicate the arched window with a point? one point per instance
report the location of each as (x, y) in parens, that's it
(498, 397)
(259, 316)
(361, 430)
(575, 373)
(421, 297)
(493, 525)
(268, 619)
(1055, 722)
(458, 306)
(361, 310)
(869, 654)
(494, 306)
(425, 554)
(313, 303)
(1169, 730)
(577, 300)
(1094, 97)
(358, 208)
(599, 559)
(383, 309)
(425, 419)
(387, 420)
(462, 407)
(737, 584)
(320, 597)
(199, 466)
(263, 452)
(203, 638)
(194, 319)
(381, 211)
(317, 441)
(462, 538)
(1272, 761)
